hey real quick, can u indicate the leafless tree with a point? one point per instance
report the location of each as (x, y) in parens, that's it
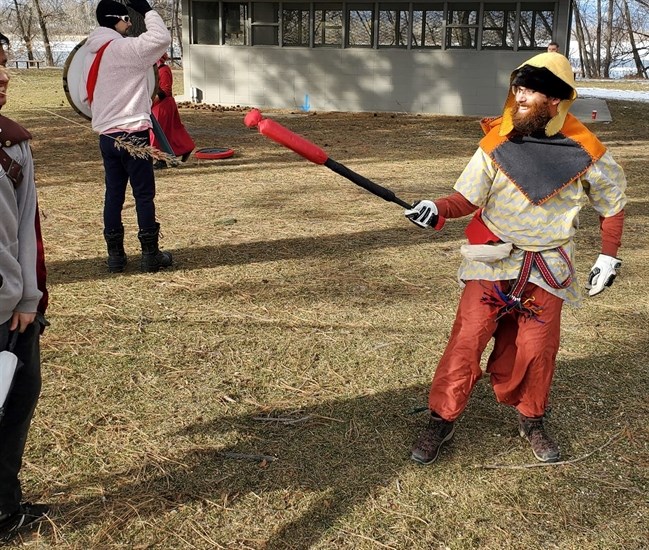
(641, 69)
(42, 23)
(22, 15)
(610, 34)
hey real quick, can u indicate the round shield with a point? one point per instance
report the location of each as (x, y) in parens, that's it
(213, 153)
(73, 75)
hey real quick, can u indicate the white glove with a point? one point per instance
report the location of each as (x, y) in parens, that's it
(423, 213)
(602, 274)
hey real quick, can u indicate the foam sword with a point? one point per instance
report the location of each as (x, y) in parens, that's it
(310, 151)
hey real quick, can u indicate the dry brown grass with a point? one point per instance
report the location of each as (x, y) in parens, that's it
(299, 297)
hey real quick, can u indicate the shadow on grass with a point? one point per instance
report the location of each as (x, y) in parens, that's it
(200, 257)
(329, 458)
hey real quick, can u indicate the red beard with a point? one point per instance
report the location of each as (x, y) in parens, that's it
(533, 120)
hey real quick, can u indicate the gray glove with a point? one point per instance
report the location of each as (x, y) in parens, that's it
(140, 6)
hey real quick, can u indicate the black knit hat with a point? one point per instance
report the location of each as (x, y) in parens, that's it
(106, 8)
(542, 80)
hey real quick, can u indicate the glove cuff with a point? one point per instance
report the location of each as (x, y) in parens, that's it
(611, 261)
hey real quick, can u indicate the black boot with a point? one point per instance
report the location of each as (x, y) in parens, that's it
(152, 258)
(116, 255)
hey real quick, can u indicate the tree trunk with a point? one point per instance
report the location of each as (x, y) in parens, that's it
(641, 70)
(46, 39)
(581, 42)
(608, 41)
(598, 40)
(177, 24)
(24, 28)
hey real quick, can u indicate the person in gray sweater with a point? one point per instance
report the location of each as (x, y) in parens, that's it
(23, 299)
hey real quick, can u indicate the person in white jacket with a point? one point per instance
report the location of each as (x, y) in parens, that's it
(116, 86)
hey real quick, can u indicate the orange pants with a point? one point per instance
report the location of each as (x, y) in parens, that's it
(521, 364)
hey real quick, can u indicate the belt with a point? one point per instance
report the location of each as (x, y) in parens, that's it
(532, 259)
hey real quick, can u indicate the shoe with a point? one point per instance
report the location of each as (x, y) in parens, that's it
(159, 165)
(427, 447)
(27, 514)
(543, 446)
(186, 156)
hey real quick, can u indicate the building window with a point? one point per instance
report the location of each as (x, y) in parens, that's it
(235, 24)
(394, 22)
(295, 25)
(427, 25)
(328, 25)
(498, 26)
(205, 28)
(474, 25)
(462, 26)
(536, 26)
(360, 20)
(265, 23)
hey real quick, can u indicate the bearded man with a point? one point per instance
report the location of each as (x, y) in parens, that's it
(533, 171)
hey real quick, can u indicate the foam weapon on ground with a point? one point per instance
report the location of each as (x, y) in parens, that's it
(8, 365)
(310, 151)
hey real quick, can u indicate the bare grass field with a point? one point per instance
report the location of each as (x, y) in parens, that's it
(263, 393)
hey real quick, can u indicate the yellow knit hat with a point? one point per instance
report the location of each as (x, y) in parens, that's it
(560, 67)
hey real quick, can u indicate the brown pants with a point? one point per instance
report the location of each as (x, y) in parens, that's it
(521, 364)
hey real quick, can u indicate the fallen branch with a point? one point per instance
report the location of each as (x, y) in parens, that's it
(243, 456)
(135, 147)
(282, 419)
(543, 464)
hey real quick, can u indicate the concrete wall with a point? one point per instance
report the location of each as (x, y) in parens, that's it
(452, 82)
(424, 81)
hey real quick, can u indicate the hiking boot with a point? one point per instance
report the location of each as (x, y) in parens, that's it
(27, 514)
(427, 447)
(543, 446)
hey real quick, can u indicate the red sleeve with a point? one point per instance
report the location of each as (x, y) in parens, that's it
(611, 232)
(454, 206)
(165, 80)
(41, 272)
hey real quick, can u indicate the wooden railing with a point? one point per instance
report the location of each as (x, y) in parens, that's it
(28, 63)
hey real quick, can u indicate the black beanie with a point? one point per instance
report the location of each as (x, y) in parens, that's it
(109, 7)
(542, 79)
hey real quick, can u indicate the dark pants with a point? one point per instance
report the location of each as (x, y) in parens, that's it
(19, 409)
(119, 166)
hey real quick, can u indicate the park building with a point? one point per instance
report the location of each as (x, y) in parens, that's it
(451, 58)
